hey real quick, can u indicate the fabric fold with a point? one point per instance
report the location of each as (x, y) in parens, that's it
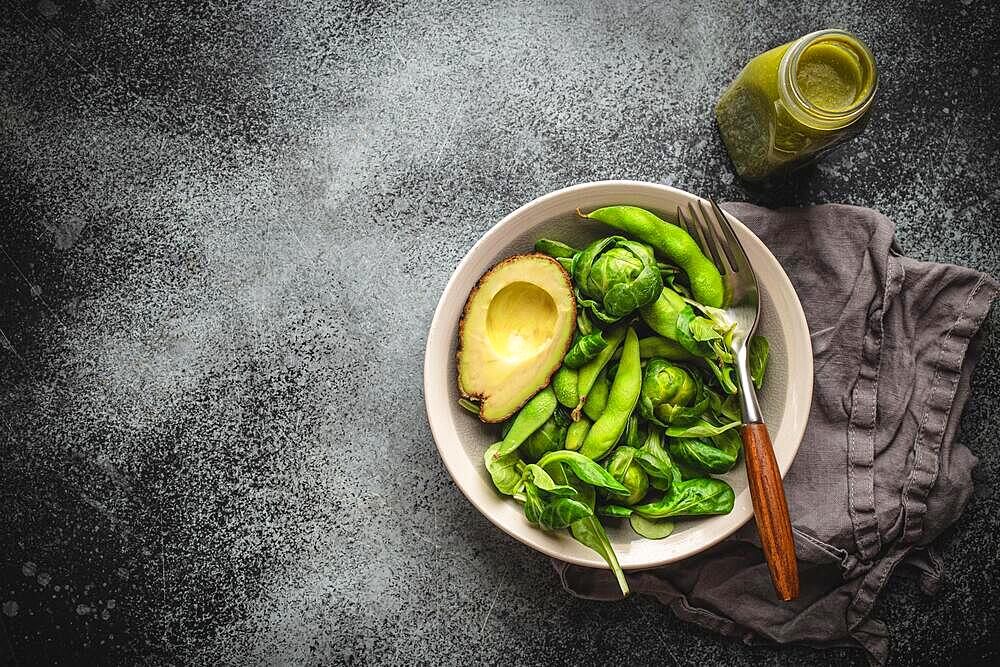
(879, 474)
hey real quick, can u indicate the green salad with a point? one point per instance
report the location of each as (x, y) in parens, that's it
(633, 408)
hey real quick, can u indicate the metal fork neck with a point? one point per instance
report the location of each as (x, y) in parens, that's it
(749, 408)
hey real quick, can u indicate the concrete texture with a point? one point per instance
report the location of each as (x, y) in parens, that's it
(225, 230)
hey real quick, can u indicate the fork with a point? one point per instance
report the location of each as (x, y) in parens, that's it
(714, 235)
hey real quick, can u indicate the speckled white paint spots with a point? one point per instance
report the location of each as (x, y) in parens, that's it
(231, 367)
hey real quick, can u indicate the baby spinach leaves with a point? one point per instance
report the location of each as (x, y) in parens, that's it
(693, 497)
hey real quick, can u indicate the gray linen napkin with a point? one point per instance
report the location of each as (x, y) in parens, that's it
(878, 475)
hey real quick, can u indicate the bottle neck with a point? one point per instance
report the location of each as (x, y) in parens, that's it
(803, 59)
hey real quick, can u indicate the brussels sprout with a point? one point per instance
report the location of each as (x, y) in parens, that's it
(671, 394)
(615, 276)
(624, 468)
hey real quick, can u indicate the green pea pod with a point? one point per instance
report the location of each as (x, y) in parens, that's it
(585, 349)
(666, 314)
(757, 358)
(504, 470)
(564, 384)
(529, 419)
(693, 497)
(598, 398)
(621, 401)
(589, 371)
(663, 348)
(576, 433)
(585, 469)
(590, 532)
(671, 242)
(554, 249)
(468, 405)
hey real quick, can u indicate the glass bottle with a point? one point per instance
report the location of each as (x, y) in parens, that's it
(790, 105)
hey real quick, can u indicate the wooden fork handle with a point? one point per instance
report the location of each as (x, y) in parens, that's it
(770, 510)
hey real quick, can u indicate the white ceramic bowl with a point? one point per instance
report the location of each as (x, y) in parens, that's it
(461, 438)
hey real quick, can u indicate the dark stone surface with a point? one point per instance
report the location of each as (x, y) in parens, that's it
(225, 230)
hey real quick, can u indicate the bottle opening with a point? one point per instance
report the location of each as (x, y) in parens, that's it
(829, 77)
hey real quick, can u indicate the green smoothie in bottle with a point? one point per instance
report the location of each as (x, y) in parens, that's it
(793, 103)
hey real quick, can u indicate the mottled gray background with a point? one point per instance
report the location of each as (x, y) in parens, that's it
(225, 230)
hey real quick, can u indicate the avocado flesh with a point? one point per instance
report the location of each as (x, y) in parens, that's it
(516, 328)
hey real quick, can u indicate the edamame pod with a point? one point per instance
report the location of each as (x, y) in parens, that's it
(621, 401)
(664, 348)
(598, 398)
(577, 433)
(589, 371)
(662, 314)
(672, 242)
(564, 384)
(529, 419)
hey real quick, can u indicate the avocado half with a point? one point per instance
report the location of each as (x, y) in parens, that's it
(517, 325)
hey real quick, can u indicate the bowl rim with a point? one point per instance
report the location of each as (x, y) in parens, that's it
(437, 427)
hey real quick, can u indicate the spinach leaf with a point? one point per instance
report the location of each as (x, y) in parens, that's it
(702, 329)
(591, 533)
(651, 529)
(538, 477)
(757, 358)
(700, 429)
(653, 458)
(533, 505)
(505, 471)
(554, 249)
(727, 409)
(585, 349)
(563, 512)
(616, 511)
(724, 375)
(693, 497)
(705, 457)
(584, 468)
